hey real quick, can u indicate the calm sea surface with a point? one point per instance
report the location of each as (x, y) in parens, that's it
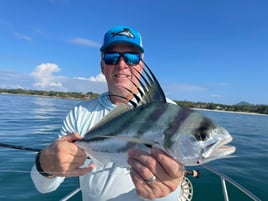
(36, 121)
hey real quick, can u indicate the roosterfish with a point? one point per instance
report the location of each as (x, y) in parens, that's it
(149, 120)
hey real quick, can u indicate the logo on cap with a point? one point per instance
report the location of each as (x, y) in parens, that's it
(126, 32)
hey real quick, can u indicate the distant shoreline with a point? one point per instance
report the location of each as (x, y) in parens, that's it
(42, 96)
(251, 113)
(189, 104)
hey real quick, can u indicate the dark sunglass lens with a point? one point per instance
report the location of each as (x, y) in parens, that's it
(131, 58)
(111, 58)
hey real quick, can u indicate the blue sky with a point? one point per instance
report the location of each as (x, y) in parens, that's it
(208, 51)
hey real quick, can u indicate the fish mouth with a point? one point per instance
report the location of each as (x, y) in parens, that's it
(219, 149)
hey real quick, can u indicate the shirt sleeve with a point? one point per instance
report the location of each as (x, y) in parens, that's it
(43, 184)
(46, 185)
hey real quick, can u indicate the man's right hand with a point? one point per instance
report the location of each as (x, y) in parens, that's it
(63, 158)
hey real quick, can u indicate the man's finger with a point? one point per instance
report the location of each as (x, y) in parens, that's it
(168, 164)
(71, 137)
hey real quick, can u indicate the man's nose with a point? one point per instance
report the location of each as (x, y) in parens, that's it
(121, 63)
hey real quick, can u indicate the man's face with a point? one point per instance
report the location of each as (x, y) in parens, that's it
(121, 75)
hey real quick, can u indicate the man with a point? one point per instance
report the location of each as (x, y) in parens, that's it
(153, 176)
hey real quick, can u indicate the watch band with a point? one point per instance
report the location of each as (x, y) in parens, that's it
(39, 168)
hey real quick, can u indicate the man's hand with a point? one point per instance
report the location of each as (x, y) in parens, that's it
(167, 172)
(63, 158)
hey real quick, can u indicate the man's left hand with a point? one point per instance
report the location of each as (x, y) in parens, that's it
(155, 175)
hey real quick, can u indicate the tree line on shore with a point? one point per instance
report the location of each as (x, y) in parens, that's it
(55, 94)
(240, 107)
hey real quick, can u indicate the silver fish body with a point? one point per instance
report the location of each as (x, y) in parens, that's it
(186, 135)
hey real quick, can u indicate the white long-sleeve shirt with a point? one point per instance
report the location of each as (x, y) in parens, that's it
(104, 183)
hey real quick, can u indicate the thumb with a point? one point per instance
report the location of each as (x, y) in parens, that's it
(71, 137)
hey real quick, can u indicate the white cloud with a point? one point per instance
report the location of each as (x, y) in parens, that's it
(99, 78)
(44, 78)
(22, 36)
(85, 42)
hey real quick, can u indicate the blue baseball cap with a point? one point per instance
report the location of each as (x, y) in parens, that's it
(122, 34)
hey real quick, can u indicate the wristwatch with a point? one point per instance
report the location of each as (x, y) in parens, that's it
(39, 168)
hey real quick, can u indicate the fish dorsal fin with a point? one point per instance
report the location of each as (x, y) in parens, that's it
(148, 87)
(151, 87)
(118, 110)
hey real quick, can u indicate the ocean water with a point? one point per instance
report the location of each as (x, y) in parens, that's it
(35, 122)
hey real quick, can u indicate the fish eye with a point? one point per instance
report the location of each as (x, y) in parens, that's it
(201, 135)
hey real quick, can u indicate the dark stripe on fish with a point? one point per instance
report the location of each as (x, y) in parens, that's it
(154, 115)
(206, 123)
(203, 131)
(180, 117)
(152, 118)
(178, 120)
(157, 113)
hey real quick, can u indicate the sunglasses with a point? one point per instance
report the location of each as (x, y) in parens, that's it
(112, 58)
